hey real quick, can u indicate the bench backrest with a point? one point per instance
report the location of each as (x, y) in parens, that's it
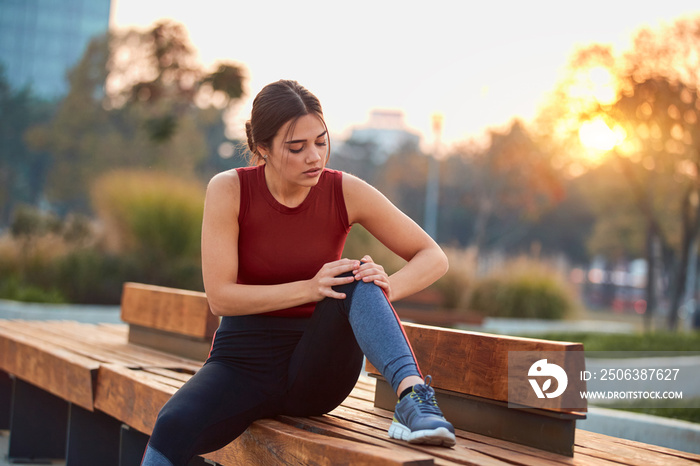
(477, 364)
(169, 319)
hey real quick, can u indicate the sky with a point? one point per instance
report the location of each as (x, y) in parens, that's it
(478, 64)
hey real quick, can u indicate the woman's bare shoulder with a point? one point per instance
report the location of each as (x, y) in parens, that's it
(352, 182)
(224, 182)
(361, 198)
(224, 192)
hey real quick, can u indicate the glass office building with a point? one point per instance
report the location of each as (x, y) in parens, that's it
(40, 40)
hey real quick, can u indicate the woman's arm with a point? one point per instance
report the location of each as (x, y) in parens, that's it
(426, 262)
(220, 261)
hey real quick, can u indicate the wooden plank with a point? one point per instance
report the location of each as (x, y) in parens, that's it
(355, 431)
(586, 435)
(86, 343)
(378, 422)
(477, 363)
(179, 377)
(173, 310)
(271, 442)
(633, 453)
(88, 340)
(107, 347)
(361, 428)
(116, 329)
(363, 414)
(56, 370)
(131, 396)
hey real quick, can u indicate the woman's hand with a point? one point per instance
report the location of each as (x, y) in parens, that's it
(322, 284)
(369, 271)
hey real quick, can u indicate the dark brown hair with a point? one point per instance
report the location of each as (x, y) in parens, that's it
(276, 104)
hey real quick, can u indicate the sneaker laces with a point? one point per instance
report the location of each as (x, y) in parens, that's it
(425, 396)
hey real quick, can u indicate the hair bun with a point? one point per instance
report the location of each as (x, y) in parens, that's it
(249, 135)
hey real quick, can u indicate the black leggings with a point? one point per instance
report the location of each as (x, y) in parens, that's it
(260, 367)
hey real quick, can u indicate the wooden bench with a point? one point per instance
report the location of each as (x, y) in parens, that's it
(53, 368)
(129, 382)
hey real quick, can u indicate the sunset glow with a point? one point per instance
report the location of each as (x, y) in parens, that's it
(480, 67)
(596, 134)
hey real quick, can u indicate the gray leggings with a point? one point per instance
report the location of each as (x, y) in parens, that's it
(262, 366)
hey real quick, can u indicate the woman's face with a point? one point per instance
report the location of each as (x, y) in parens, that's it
(298, 156)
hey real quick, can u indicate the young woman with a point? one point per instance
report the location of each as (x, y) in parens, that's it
(296, 318)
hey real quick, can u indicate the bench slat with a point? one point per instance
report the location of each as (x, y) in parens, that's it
(51, 368)
(99, 344)
(357, 413)
(373, 428)
(631, 452)
(131, 396)
(172, 310)
(353, 431)
(271, 442)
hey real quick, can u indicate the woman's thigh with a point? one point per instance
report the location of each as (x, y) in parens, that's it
(326, 363)
(213, 408)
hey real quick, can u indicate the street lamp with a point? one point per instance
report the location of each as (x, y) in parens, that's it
(433, 185)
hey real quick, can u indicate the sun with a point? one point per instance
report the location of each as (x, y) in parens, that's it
(597, 135)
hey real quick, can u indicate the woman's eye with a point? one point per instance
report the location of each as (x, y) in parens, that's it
(294, 150)
(321, 144)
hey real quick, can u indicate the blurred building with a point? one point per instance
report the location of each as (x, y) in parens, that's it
(40, 40)
(389, 133)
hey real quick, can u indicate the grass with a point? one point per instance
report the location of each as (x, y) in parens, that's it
(685, 410)
(640, 343)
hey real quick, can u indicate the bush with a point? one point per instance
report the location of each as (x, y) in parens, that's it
(14, 289)
(152, 213)
(151, 233)
(523, 289)
(91, 276)
(28, 221)
(155, 219)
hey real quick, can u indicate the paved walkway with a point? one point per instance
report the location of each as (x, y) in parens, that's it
(80, 313)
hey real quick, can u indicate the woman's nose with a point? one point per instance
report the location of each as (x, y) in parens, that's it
(315, 154)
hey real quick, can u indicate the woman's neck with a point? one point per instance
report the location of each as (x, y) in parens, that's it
(286, 193)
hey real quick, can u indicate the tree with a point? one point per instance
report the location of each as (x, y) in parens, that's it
(159, 69)
(136, 99)
(642, 108)
(662, 164)
(512, 176)
(403, 179)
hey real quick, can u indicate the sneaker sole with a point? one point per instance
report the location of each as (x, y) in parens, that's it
(439, 437)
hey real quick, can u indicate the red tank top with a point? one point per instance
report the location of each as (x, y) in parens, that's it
(280, 244)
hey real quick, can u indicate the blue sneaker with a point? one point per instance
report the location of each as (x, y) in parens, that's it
(418, 419)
